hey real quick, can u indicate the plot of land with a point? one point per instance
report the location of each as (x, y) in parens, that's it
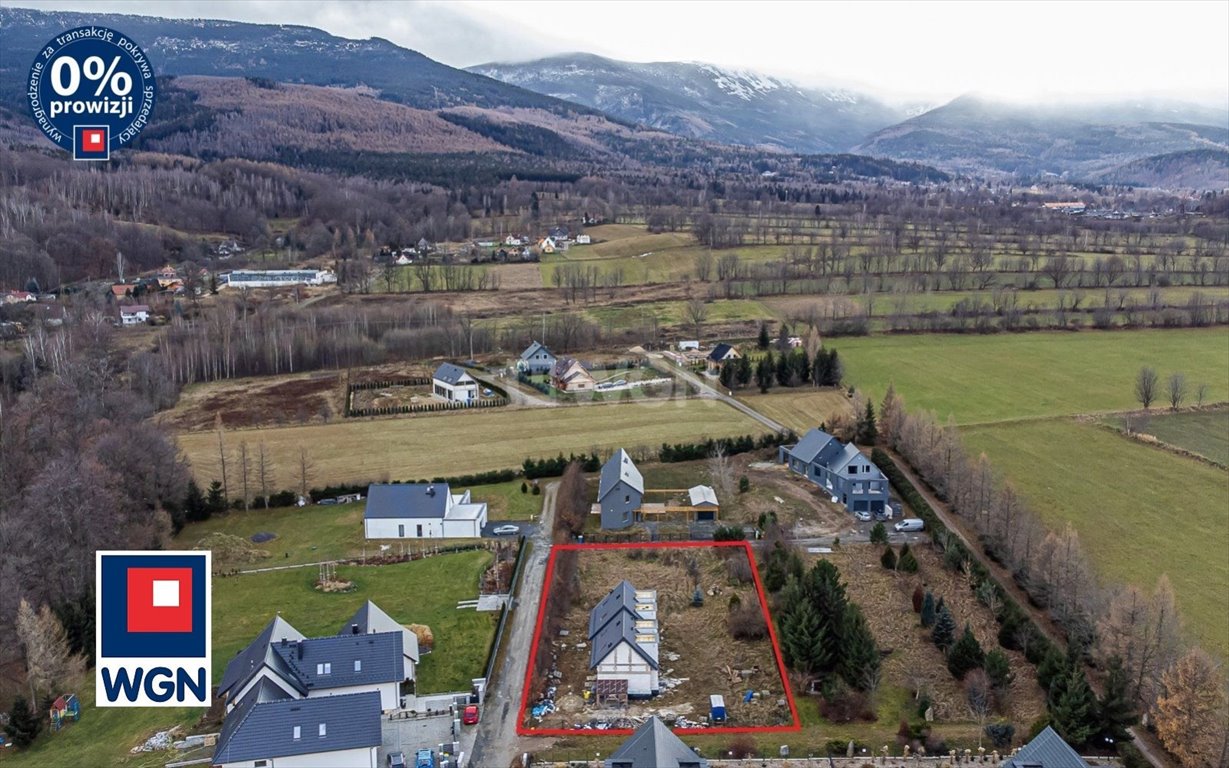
(800, 408)
(295, 399)
(997, 377)
(437, 445)
(1205, 433)
(698, 656)
(1141, 511)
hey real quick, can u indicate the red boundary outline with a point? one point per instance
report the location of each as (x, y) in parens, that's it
(521, 730)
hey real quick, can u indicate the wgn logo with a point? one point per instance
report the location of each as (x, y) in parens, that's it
(152, 629)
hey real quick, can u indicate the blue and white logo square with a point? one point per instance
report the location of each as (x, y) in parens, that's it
(153, 623)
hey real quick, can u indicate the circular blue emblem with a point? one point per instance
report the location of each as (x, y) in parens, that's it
(91, 90)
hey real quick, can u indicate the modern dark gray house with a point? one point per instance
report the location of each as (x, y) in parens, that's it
(270, 728)
(653, 745)
(840, 469)
(620, 491)
(536, 360)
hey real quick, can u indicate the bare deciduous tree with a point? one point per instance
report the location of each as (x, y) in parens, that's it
(245, 474)
(1146, 386)
(1176, 390)
(697, 313)
(265, 473)
(306, 472)
(49, 661)
(721, 472)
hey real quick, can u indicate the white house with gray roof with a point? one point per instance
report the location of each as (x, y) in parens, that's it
(271, 731)
(536, 360)
(421, 511)
(620, 490)
(282, 661)
(623, 639)
(654, 745)
(452, 383)
(847, 475)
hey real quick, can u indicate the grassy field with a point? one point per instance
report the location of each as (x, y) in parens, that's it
(1203, 432)
(999, 377)
(451, 443)
(244, 604)
(1141, 511)
(799, 409)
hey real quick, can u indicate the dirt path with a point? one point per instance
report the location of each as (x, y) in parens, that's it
(707, 390)
(496, 744)
(1147, 745)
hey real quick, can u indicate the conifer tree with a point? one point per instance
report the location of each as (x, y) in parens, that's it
(888, 559)
(998, 669)
(866, 431)
(965, 655)
(23, 725)
(1116, 711)
(944, 633)
(764, 338)
(1073, 707)
(907, 562)
(859, 664)
(928, 610)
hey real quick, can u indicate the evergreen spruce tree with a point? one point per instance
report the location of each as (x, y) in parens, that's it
(744, 371)
(23, 725)
(867, 431)
(966, 655)
(1050, 668)
(196, 508)
(802, 365)
(783, 369)
(836, 370)
(819, 368)
(944, 633)
(728, 376)
(215, 499)
(1115, 708)
(907, 563)
(804, 640)
(764, 338)
(879, 534)
(939, 605)
(783, 339)
(928, 610)
(859, 663)
(1073, 707)
(765, 372)
(888, 559)
(998, 669)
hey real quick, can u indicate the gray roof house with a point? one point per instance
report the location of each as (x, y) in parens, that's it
(371, 619)
(720, 354)
(620, 490)
(841, 470)
(452, 383)
(259, 661)
(338, 730)
(623, 639)
(536, 360)
(421, 511)
(1046, 750)
(281, 662)
(653, 745)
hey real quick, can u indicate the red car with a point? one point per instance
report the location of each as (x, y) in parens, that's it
(470, 715)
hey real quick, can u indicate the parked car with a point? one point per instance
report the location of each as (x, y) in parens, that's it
(910, 524)
(396, 760)
(470, 715)
(863, 515)
(506, 530)
(425, 758)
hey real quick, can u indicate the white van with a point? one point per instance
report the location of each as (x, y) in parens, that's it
(910, 524)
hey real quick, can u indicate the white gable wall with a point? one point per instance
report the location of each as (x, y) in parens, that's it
(265, 673)
(390, 693)
(624, 663)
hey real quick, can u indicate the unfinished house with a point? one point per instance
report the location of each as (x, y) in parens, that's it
(623, 639)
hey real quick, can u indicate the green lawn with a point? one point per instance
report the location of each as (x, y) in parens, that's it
(1203, 432)
(1141, 511)
(422, 592)
(1011, 376)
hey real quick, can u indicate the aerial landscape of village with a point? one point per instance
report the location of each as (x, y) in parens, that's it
(403, 388)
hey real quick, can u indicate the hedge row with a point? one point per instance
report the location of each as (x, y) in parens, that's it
(731, 445)
(478, 478)
(535, 468)
(409, 381)
(1015, 624)
(425, 407)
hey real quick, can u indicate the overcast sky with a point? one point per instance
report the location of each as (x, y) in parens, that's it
(926, 51)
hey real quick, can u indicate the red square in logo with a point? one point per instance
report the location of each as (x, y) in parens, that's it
(159, 599)
(92, 139)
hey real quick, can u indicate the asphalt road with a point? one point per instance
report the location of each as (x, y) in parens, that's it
(496, 744)
(708, 390)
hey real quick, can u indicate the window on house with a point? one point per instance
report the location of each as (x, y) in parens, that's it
(323, 730)
(324, 669)
(261, 764)
(401, 531)
(627, 499)
(358, 665)
(297, 733)
(420, 531)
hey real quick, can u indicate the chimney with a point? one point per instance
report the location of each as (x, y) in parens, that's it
(431, 491)
(354, 629)
(300, 645)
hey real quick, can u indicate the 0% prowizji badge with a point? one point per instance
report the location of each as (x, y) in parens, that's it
(91, 90)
